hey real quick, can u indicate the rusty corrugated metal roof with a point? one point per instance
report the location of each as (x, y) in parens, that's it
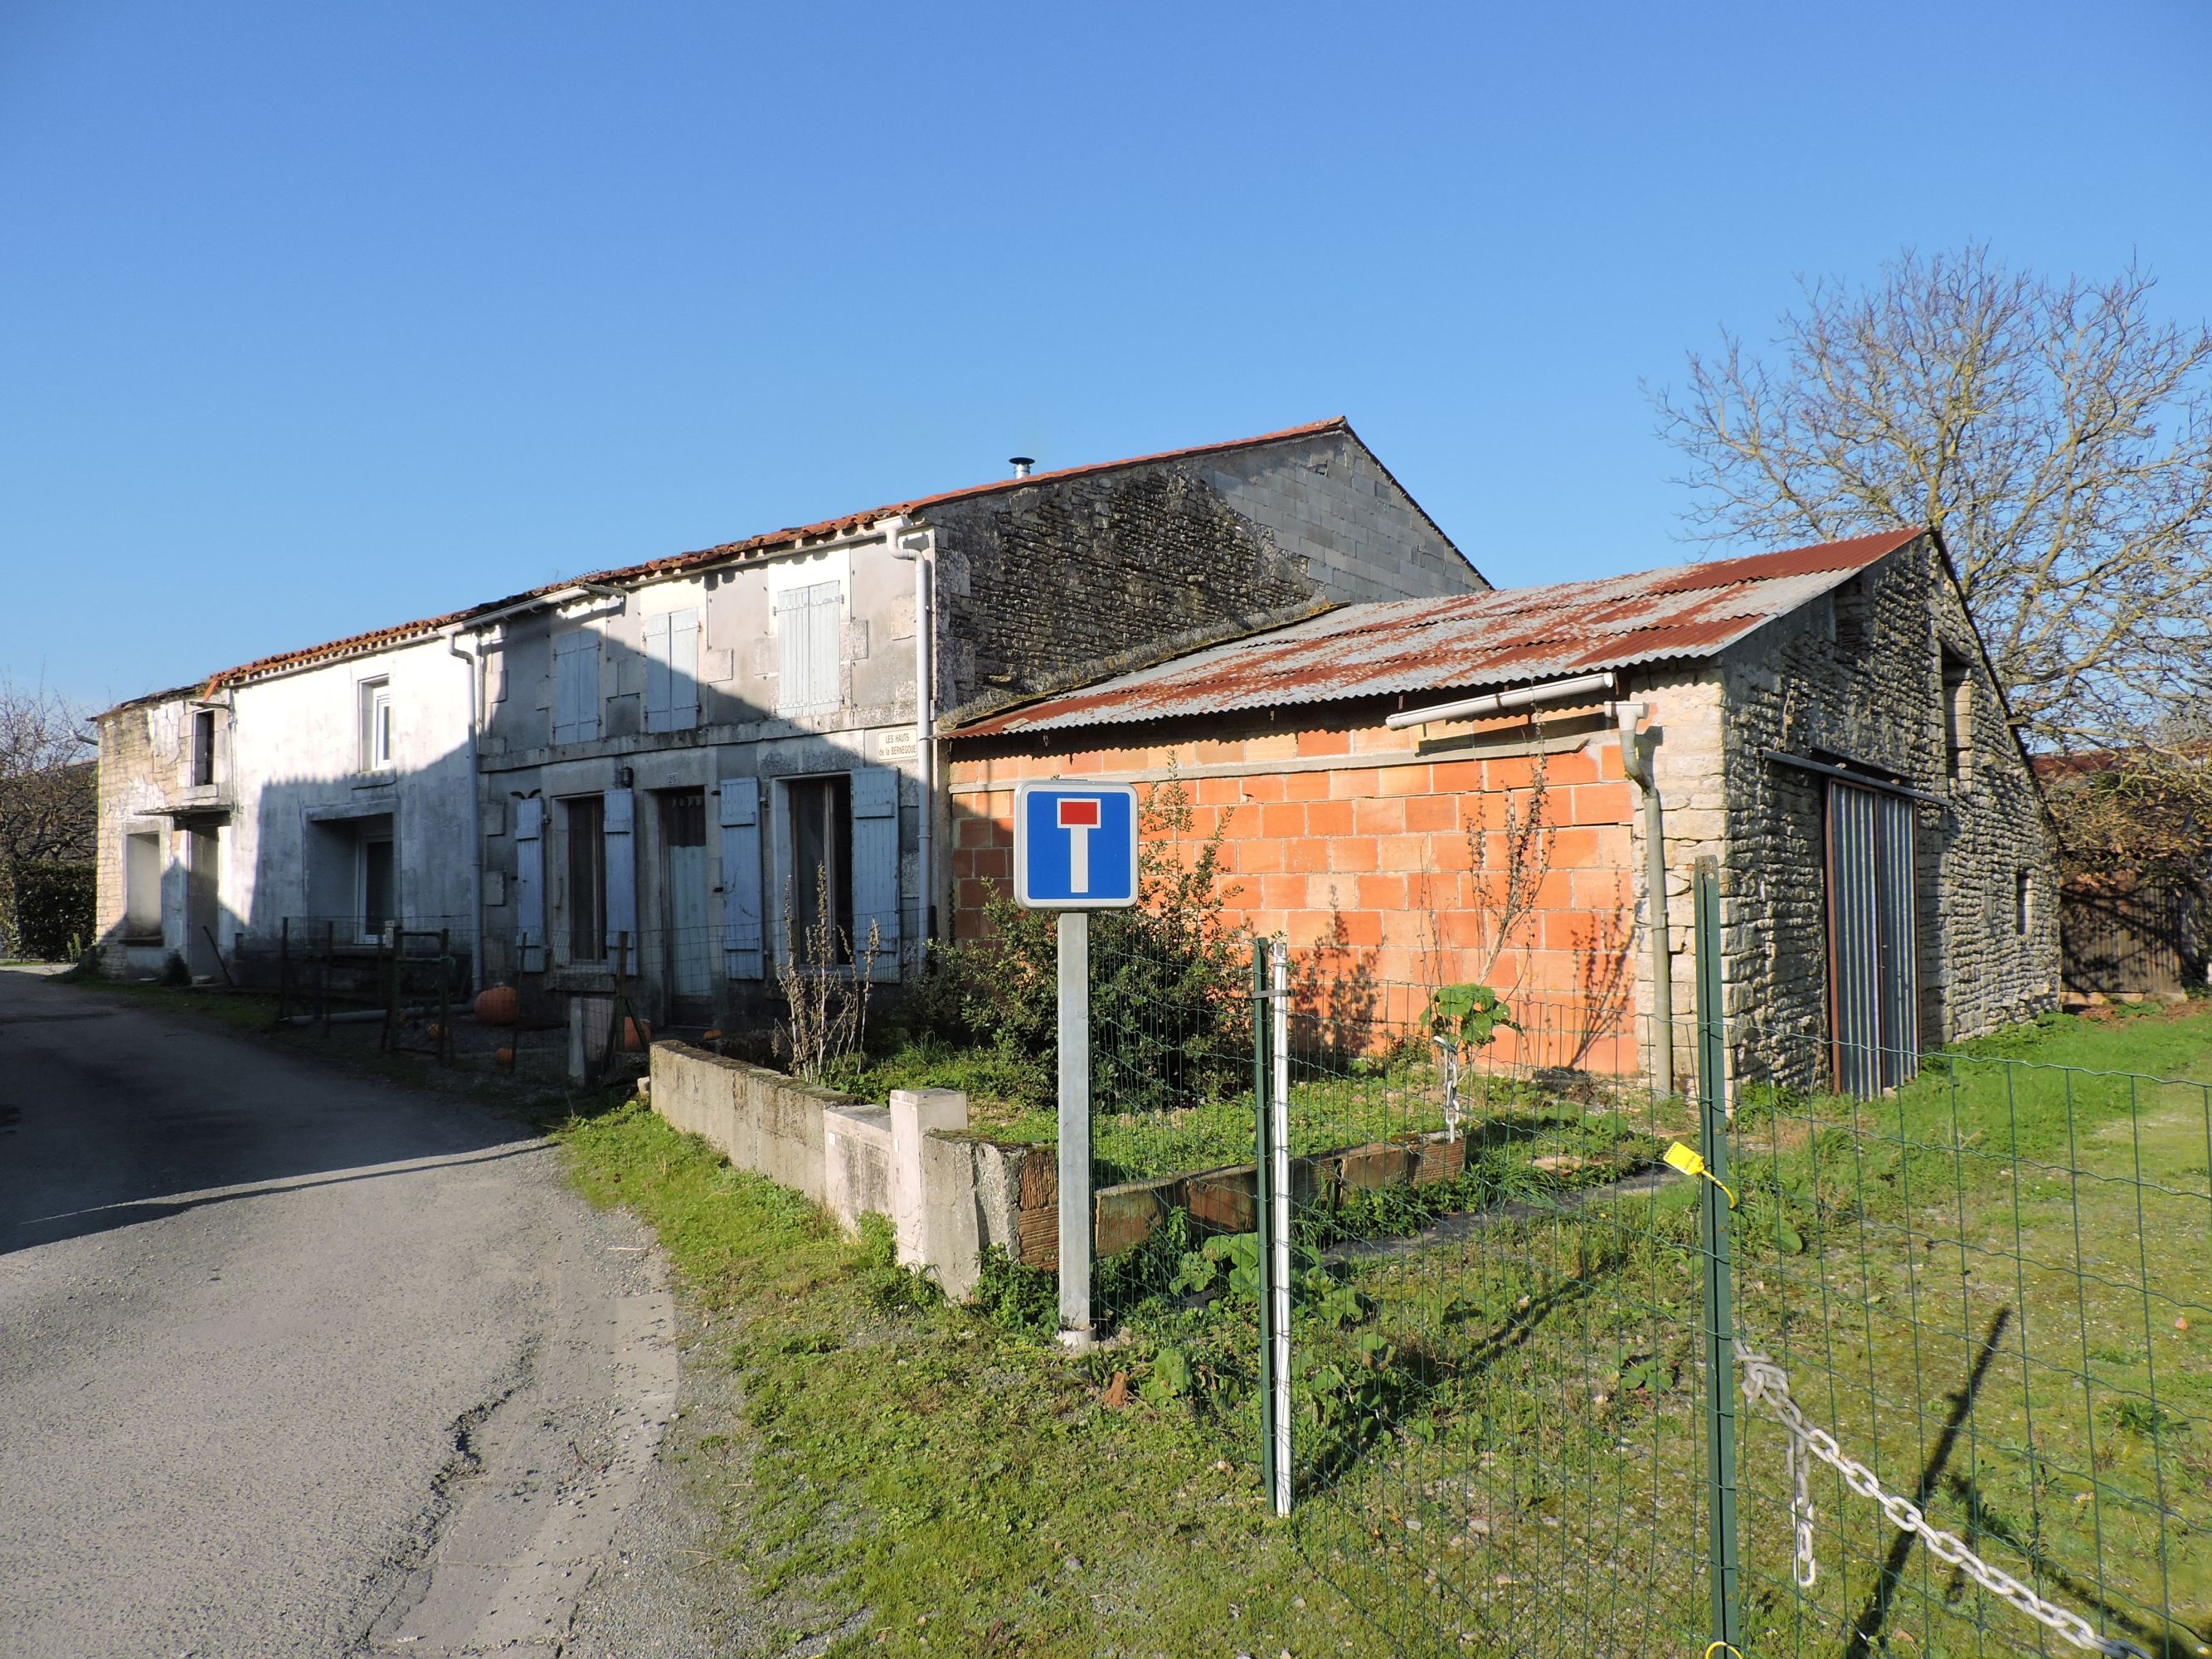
(1508, 636)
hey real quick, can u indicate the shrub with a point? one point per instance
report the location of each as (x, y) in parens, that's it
(54, 910)
(1170, 1010)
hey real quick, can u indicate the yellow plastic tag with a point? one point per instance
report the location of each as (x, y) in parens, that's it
(1691, 1164)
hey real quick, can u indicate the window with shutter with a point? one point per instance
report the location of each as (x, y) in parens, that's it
(576, 687)
(672, 671)
(809, 625)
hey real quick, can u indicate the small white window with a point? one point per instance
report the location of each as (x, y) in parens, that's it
(375, 725)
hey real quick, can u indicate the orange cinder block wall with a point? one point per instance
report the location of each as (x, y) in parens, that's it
(1364, 860)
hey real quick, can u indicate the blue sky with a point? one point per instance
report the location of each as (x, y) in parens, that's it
(315, 318)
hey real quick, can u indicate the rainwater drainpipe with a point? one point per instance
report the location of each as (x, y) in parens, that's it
(1637, 762)
(474, 659)
(920, 546)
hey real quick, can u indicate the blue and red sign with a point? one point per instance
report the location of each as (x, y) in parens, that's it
(1075, 845)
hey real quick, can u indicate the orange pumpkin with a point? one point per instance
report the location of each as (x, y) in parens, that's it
(636, 1034)
(495, 1005)
(504, 1058)
(710, 1037)
(434, 1031)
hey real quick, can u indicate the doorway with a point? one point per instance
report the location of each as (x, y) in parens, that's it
(690, 956)
(819, 899)
(1874, 978)
(202, 899)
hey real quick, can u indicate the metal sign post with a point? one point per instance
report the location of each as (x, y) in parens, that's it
(1075, 851)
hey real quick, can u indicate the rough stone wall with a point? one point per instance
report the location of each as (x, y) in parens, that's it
(1036, 583)
(1860, 675)
(126, 760)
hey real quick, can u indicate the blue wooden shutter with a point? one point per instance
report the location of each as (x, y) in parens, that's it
(656, 674)
(622, 872)
(529, 884)
(576, 687)
(683, 670)
(825, 623)
(791, 662)
(741, 879)
(876, 867)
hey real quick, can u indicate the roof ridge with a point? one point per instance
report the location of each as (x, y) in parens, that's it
(793, 536)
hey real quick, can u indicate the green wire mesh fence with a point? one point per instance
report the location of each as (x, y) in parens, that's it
(1957, 1407)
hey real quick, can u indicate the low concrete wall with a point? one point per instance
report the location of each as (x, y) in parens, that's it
(952, 1193)
(760, 1120)
(851, 1159)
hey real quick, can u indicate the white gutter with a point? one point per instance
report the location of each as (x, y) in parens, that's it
(474, 659)
(1497, 703)
(1638, 762)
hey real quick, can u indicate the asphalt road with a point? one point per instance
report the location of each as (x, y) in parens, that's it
(296, 1362)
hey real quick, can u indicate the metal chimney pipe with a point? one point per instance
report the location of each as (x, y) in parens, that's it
(1022, 464)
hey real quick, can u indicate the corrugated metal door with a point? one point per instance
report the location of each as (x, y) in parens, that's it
(1873, 946)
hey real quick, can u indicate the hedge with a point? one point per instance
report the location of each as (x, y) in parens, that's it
(54, 910)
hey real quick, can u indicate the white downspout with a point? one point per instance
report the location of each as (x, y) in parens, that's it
(1635, 763)
(473, 658)
(920, 546)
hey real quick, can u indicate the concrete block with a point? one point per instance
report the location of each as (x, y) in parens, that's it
(915, 1113)
(971, 1199)
(858, 1175)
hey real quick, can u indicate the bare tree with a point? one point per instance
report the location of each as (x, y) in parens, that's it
(827, 1000)
(48, 792)
(2056, 434)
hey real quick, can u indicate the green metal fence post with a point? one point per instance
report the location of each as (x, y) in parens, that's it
(1719, 1288)
(1263, 1223)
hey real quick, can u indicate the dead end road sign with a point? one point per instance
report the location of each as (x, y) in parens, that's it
(1075, 845)
(1075, 851)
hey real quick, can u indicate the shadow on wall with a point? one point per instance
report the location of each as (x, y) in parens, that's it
(338, 850)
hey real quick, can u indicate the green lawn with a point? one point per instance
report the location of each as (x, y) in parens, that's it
(962, 1482)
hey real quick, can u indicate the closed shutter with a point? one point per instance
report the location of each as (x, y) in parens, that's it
(825, 630)
(672, 671)
(683, 670)
(622, 872)
(529, 884)
(876, 867)
(656, 674)
(791, 651)
(809, 622)
(741, 879)
(576, 687)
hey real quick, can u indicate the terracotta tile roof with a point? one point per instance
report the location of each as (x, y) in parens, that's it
(760, 546)
(1508, 636)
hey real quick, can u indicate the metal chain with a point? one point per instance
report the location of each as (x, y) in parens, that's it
(1767, 1383)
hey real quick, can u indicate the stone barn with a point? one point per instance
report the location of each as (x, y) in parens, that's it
(1820, 721)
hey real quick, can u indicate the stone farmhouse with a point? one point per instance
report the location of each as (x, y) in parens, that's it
(1822, 722)
(683, 763)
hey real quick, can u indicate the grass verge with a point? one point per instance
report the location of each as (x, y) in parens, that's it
(964, 1487)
